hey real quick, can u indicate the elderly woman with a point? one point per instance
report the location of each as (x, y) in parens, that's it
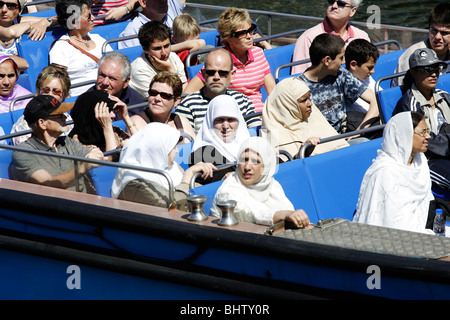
(220, 136)
(163, 96)
(252, 69)
(421, 95)
(155, 146)
(396, 189)
(78, 51)
(260, 198)
(290, 120)
(9, 89)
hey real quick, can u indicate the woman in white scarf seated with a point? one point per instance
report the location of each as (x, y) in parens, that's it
(396, 189)
(155, 146)
(218, 140)
(260, 198)
(290, 120)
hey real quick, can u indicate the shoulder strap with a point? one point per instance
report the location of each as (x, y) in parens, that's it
(82, 50)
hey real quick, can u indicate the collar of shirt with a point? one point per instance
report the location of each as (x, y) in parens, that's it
(236, 61)
(328, 28)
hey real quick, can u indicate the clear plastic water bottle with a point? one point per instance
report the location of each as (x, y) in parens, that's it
(439, 223)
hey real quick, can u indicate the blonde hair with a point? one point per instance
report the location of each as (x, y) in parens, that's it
(51, 72)
(231, 20)
(184, 27)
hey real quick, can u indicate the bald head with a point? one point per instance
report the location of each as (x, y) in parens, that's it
(219, 57)
(217, 72)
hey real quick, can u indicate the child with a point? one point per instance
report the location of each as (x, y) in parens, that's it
(185, 39)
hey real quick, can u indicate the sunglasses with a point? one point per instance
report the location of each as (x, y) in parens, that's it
(240, 34)
(48, 90)
(430, 69)
(222, 73)
(9, 5)
(340, 3)
(164, 95)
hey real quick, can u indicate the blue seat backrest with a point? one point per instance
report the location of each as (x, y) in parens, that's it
(44, 13)
(5, 160)
(210, 37)
(209, 190)
(8, 119)
(103, 178)
(335, 178)
(193, 70)
(24, 81)
(388, 99)
(132, 53)
(386, 65)
(182, 157)
(111, 31)
(278, 56)
(444, 82)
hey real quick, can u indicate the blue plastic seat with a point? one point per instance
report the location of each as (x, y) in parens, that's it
(193, 70)
(210, 37)
(386, 65)
(444, 82)
(388, 99)
(182, 157)
(278, 56)
(5, 160)
(103, 178)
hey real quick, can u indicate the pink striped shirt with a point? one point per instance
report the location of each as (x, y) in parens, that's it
(249, 77)
(103, 6)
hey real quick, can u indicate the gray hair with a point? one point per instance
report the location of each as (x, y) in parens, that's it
(118, 56)
(356, 3)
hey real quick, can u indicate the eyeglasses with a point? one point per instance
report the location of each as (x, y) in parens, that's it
(340, 3)
(89, 16)
(430, 69)
(164, 95)
(240, 34)
(222, 73)
(434, 31)
(47, 90)
(423, 133)
(9, 5)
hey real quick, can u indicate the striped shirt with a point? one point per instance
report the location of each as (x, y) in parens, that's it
(249, 77)
(195, 105)
(103, 6)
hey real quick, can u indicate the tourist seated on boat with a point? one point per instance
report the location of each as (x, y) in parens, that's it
(156, 57)
(113, 77)
(420, 95)
(438, 40)
(164, 95)
(252, 71)
(9, 88)
(46, 117)
(93, 114)
(78, 51)
(337, 22)
(163, 11)
(220, 136)
(396, 189)
(218, 72)
(109, 11)
(260, 198)
(332, 86)
(52, 81)
(290, 120)
(155, 147)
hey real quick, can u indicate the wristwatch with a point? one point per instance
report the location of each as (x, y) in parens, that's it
(50, 21)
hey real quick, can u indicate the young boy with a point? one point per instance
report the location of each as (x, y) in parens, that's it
(331, 86)
(154, 38)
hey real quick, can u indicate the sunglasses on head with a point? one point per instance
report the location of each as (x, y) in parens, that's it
(164, 95)
(222, 73)
(9, 5)
(239, 34)
(48, 90)
(340, 3)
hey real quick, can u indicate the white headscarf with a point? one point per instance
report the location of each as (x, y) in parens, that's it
(392, 193)
(256, 203)
(222, 106)
(148, 148)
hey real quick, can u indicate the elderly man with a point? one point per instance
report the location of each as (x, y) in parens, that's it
(218, 72)
(336, 22)
(438, 40)
(45, 116)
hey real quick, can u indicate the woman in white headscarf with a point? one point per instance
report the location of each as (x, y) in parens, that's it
(290, 120)
(155, 146)
(396, 189)
(222, 132)
(260, 198)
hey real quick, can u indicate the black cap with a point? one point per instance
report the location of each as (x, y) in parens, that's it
(43, 106)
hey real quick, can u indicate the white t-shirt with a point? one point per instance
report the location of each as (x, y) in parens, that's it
(80, 67)
(360, 104)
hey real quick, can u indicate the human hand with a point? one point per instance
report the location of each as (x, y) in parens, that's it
(313, 140)
(116, 13)
(96, 154)
(102, 114)
(161, 65)
(299, 218)
(37, 30)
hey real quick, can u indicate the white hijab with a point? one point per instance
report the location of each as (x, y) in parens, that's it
(392, 193)
(256, 203)
(222, 106)
(148, 148)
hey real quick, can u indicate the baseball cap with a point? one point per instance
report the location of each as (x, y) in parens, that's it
(424, 57)
(43, 106)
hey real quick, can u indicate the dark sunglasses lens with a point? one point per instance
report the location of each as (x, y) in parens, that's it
(222, 73)
(164, 95)
(9, 5)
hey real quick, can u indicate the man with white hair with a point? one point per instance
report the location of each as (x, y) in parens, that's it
(336, 22)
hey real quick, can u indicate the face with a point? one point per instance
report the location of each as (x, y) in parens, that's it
(334, 65)
(160, 106)
(426, 78)
(159, 49)
(420, 138)
(7, 15)
(304, 105)
(337, 10)
(365, 70)
(56, 125)
(8, 78)
(243, 42)
(54, 89)
(109, 78)
(218, 65)
(225, 128)
(86, 20)
(439, 39)
(154, 9)
(250, 167)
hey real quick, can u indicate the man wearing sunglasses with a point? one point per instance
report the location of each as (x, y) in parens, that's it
(438, 40)
(218, 72)
(339, 13)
